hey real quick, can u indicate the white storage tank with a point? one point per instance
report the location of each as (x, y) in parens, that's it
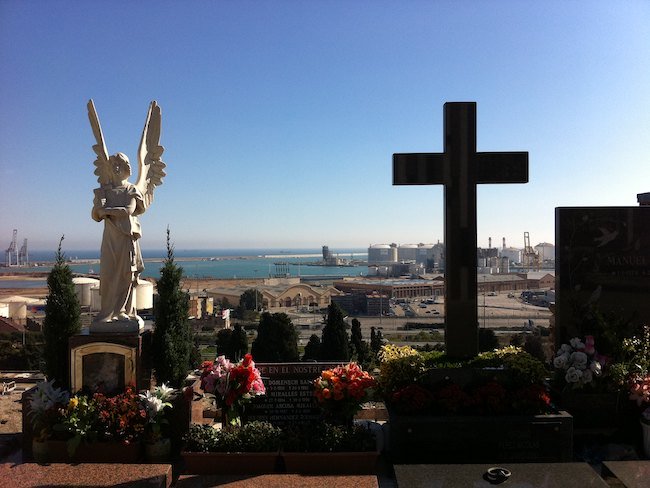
(407, 252)
(382, 253)
(546, 251)
(16, 306)
(95, 300)
(83, 287)
(144, 295)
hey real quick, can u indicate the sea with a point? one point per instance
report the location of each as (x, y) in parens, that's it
(214, 263)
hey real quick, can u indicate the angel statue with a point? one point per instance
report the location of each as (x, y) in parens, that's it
(118, 203)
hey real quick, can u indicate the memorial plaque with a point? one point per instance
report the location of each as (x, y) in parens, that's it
(103, 371)
(289, 395)
(603, 261)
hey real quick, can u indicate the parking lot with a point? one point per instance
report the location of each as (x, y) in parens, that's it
(505, 314)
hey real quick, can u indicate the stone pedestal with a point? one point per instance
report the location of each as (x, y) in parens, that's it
(108, 362)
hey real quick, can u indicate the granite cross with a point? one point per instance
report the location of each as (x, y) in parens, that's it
(460, 168)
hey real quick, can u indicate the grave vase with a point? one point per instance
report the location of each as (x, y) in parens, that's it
(159, 451)
(40, 451)
(645, 428)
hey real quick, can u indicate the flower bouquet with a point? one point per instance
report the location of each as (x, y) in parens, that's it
(232, 385)
(154, 403)
(341, 391)
(47, 405)
(578, 363)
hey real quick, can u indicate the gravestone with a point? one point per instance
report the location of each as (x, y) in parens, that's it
(110, 362)
(460, 168)
(289, 398)
(603, 262)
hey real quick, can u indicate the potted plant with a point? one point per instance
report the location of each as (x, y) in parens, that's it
(156, 404)
(113, 425)
(494, 405)
(231, 385)
(340, 392)
(47, 404)
(251, 448)
(640, 392)
(329, 449)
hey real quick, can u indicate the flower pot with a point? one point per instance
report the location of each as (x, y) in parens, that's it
(159, 451)
(94, 452)
(330, 462)
(229, 463)
(40, 451)
(645, 428)
(422, 439)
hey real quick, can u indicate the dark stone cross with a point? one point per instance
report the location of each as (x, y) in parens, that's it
(460, 168)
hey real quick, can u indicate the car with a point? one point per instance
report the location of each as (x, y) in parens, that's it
(435, 312)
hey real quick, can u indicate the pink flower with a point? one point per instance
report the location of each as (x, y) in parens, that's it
(589, 345)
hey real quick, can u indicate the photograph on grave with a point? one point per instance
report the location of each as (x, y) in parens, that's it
(102, 366)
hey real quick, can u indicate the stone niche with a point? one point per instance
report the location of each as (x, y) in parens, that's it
(109, 362)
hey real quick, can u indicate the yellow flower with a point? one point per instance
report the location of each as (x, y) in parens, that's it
(72, 404)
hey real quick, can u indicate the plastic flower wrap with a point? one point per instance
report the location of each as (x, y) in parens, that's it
(579, 362)
(232, 384)
(341, 391)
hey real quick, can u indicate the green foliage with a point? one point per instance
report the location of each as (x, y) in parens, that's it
(312, 349)
(223, 343)
(172, 336)
(402, 366)
(251, 299)
(360, 348)
(399, 367)
(376, 340)
(277, 339)
(251, 437)
(16, 356)
(634, 358)
(62, 319)
(608, 328)
(335, 344)
(325, 437)
(523, 368)
(487, 340)
(238, 343)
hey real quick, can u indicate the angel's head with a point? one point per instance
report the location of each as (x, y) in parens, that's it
(120, 166)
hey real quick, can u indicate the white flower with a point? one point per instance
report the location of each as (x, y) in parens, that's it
(596, 368)
(164, 392)
(561, 362)
(587, 376)
(565, 349)
(576, 343)
(46, 396)
(573, 375)
(579, 360)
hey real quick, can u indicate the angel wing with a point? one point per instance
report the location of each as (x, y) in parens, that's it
(102, 170)
(151, 168)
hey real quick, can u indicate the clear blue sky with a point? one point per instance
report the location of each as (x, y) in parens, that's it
(280, 118)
